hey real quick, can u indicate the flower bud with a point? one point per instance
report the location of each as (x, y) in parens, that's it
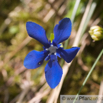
(96, 33)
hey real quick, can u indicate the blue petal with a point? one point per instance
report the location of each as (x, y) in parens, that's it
(53, 73)
(47, 58)
(68, 54)
(57, 54)
(53, 57)
(34, 59)
(62, 31)
(37, 32)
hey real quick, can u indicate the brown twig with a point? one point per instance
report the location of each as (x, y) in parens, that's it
(42, 92)
(100, 93)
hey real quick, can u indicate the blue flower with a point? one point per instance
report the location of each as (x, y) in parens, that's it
(34, 59)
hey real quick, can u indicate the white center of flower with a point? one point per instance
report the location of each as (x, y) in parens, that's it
(52, 49)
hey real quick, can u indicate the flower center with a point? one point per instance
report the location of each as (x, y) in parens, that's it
(52, 49)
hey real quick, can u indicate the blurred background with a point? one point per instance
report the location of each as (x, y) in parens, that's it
(20, 85)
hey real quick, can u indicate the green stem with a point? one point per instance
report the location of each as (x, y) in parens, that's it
(75, 10)
(88, 75)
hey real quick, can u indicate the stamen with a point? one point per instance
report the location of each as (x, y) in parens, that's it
(54, 53)
(46, 49)
(52, 49)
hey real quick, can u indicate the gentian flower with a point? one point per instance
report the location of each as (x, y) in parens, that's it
(51, 50)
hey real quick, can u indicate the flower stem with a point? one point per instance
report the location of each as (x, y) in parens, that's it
(88, 74)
